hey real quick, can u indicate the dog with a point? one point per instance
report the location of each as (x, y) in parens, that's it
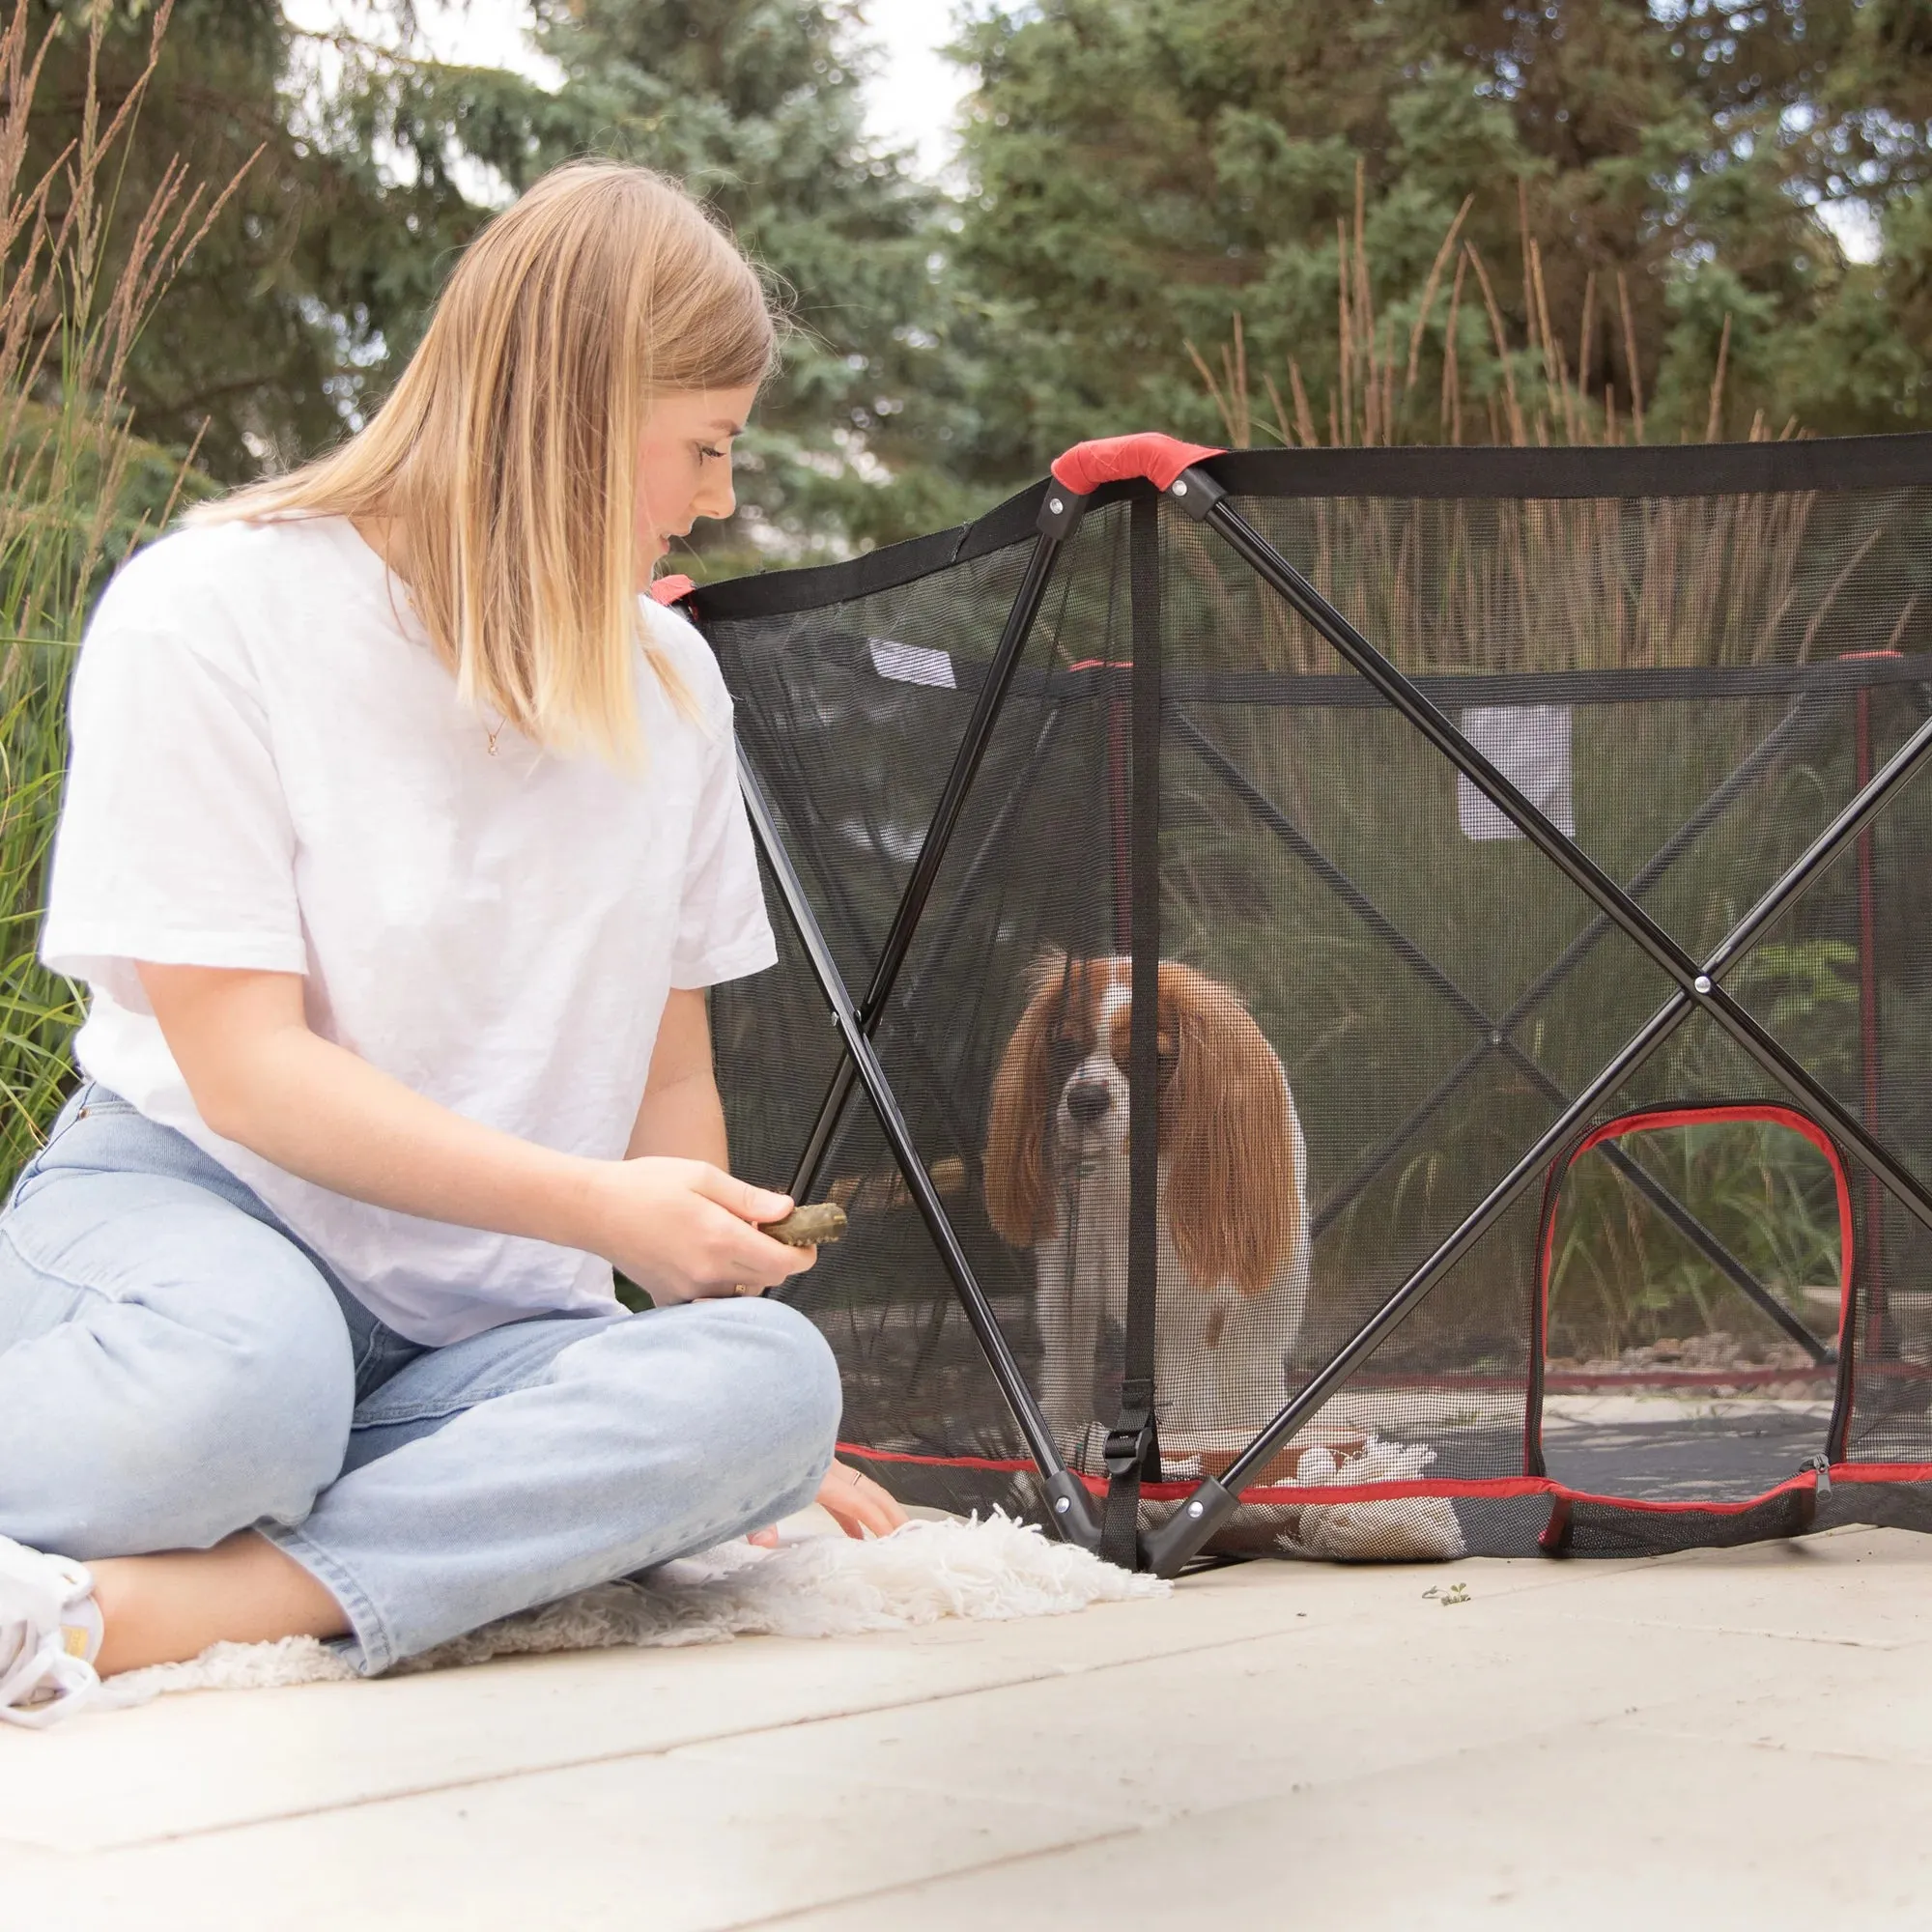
(1233, 1266)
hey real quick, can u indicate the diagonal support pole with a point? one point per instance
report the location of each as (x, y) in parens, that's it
(1177, 1540)
(1056, 526)
(1789, 734)
(838, 1098)
(1068, 1500)
(776, 756)
(1012, 806)
(1494, 1035)
(1182, 1535)
(1207, 501)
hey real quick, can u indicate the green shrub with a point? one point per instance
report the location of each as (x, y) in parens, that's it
(78, 491)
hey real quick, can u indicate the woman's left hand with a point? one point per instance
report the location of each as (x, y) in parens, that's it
(854, 1502)
(858, 1504)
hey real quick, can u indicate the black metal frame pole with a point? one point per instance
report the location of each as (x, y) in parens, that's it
(1714, 1251)
(771, 755)
(1132, 1451)
(960, 899)
(1870, 1023)
(840, 915)
(1206, 501)
(1572, 957)
(832, 1109)
(1494, 1035)
(1057, 521)
(1068, 1499)
(1010, 808)
(1182, 1535)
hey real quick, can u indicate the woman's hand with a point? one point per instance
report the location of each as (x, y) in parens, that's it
(856, 1503)
(683, 1230)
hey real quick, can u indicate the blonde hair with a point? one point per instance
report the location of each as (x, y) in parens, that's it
(506, 457)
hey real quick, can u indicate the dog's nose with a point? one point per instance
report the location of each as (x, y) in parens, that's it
(1088, 1099)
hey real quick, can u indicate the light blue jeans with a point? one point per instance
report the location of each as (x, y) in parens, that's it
(176, 1366)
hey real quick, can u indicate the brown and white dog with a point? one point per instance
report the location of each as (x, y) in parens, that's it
(1233, 1209)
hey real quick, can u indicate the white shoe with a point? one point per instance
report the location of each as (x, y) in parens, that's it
(49, 1630)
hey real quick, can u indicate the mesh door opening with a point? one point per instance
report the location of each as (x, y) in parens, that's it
(1695, 1287)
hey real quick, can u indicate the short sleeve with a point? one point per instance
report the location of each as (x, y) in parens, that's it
(175, 842)
(723, 933)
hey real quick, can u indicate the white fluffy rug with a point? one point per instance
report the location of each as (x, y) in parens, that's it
(822, 1585)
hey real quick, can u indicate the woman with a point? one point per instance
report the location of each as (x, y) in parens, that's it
(400, 841)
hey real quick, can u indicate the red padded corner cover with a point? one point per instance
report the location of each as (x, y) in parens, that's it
(1117, 459)
(670, 589)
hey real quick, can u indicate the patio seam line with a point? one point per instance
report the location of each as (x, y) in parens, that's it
(1199, 1815)
(791, 1915)
(430, 1790)
(1838, 1757)
(1538, 1574)
(1885, 1645)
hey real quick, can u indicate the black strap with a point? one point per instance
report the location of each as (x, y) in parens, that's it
(1134, 1457)
(1133, 1445)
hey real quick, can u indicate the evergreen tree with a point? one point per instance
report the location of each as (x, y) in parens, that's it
(263, 341)
(1144, 171)
(756, 105)
(316, 282)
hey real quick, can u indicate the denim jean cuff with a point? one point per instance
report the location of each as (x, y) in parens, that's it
(371, 1649)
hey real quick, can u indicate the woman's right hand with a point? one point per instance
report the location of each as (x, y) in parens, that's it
(683, 1229)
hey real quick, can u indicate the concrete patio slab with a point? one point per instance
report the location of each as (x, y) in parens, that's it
(266, 1754)
(1579, 1830)
(1719, 1738)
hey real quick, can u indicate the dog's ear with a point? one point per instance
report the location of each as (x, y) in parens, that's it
(1234, 1199)
(1019, 1202)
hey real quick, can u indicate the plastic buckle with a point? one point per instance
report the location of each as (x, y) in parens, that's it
(1130, 1444)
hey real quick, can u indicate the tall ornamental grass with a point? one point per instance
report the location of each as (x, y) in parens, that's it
(80, 274)
(1453, 586)
(1552, 585)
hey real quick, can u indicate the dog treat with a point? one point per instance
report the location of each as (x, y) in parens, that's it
(808, 1227)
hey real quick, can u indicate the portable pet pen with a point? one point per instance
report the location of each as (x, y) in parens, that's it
(1551, 813)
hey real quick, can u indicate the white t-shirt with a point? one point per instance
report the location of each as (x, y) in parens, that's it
(272, 769)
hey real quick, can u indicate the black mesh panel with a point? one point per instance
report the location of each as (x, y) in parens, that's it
(1376, 994)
